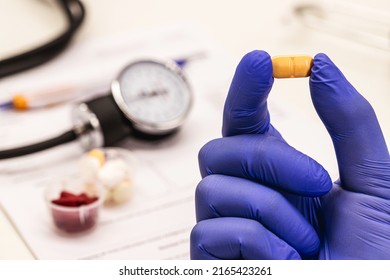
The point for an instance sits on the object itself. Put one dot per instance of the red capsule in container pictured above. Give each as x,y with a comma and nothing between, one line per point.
73,212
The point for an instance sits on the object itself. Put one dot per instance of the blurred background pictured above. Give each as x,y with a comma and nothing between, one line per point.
354,33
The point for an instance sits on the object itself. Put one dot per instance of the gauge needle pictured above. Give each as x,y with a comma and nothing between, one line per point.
149,94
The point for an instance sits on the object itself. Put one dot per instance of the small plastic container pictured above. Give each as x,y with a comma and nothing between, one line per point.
74,219
114,169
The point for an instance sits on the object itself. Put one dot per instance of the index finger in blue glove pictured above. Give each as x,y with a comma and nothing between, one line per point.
362,154
266,159
245,110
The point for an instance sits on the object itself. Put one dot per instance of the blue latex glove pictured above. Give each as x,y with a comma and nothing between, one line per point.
262,199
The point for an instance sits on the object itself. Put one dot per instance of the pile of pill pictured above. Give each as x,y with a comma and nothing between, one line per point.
113,174
69,199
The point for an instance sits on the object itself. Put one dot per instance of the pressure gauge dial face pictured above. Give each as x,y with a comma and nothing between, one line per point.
153,95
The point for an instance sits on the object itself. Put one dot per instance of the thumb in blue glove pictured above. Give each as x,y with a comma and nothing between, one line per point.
357,210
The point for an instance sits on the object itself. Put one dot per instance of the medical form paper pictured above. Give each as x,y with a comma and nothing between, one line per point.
157,222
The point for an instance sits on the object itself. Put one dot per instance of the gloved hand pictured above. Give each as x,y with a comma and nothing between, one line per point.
262,199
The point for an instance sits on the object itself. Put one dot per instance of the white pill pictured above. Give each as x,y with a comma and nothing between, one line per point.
108,195
112,174
122,192
119,164
89,167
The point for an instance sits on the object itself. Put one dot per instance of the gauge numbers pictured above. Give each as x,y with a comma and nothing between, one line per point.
154,95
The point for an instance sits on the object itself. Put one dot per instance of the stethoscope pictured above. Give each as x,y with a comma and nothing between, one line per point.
150,98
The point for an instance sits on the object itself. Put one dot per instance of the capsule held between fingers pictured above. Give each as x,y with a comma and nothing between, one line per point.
292,66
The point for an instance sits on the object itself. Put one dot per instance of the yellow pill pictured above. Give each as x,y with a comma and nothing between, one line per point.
97,154
292,66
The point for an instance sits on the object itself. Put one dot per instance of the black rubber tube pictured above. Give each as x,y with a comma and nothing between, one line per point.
49,50
66,137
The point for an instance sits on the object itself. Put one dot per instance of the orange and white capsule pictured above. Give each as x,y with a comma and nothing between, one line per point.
298,66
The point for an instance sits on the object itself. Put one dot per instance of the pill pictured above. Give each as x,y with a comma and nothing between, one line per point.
291,66
122,192
112,173
98,154
89,167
